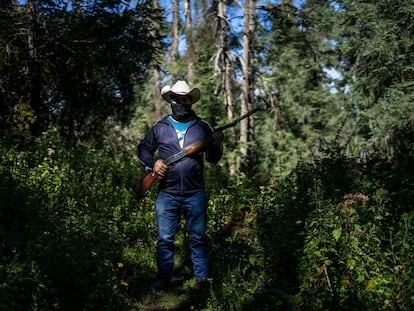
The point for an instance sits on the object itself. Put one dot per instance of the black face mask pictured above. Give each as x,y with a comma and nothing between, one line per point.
181,113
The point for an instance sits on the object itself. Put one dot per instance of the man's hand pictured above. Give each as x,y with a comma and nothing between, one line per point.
160,168
218,138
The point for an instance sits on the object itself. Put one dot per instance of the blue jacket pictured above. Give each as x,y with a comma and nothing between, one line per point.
185,176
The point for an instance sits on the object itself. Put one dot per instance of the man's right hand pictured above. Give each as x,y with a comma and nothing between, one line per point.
160,168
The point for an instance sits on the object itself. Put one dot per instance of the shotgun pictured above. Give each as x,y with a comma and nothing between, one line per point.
142,185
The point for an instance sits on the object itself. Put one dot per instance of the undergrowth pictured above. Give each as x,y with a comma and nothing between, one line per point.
332,235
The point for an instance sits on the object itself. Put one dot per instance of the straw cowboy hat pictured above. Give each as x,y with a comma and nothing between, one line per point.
180,88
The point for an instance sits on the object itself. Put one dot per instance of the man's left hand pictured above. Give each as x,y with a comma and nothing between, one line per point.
218,138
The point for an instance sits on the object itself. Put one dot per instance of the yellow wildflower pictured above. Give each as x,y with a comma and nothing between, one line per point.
370,286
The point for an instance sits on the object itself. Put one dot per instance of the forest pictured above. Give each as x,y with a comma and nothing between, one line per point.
311,205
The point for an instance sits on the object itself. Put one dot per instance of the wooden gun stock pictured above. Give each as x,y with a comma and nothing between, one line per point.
142,185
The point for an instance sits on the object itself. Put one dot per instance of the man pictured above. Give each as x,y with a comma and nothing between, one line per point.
181,188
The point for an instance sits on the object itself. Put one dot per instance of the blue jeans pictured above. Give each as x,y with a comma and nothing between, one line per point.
168,209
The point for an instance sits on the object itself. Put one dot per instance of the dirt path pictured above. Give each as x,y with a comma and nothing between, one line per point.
181,295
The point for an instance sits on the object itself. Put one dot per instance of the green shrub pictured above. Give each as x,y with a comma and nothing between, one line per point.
350,256
67,217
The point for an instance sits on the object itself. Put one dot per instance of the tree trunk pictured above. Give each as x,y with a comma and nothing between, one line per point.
35,71
156,94
225,68
249,18
174,35
226,62
156,77
190,45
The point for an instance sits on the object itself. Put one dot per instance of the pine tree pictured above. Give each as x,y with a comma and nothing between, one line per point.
305,112
375,40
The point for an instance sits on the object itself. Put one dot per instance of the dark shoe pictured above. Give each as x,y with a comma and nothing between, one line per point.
160,284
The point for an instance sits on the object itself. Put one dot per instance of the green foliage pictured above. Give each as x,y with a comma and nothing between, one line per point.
349,254
374,45
239,264
74,66
392,124
376,41
305,109
330,234
67,218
